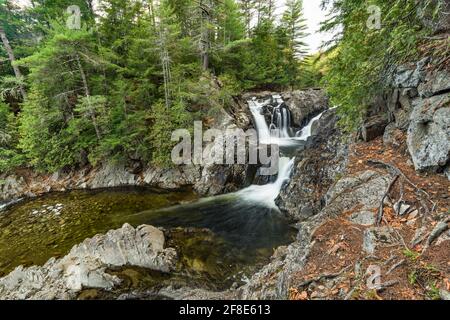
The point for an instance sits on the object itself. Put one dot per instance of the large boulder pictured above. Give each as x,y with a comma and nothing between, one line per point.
305,104
10,187
110,175
85,266
429,133
171,178
410,76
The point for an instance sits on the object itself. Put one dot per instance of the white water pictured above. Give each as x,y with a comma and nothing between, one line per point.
256,109
267,194
305,133
277,131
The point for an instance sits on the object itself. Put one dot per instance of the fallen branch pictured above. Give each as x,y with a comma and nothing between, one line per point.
396,171
386,285
439,229
322,277
395,266
381,208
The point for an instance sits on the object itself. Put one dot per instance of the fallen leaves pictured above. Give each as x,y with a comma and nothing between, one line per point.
295,294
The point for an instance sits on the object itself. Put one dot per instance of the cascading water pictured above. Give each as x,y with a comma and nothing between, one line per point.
268,193
305,133
263,130
275,133
249,217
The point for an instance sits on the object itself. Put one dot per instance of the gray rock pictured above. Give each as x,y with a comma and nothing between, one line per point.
378,237
413,214
305,104
366,188
171,178
374,127
447,172
392,136
401,208
444,294
436,83
85,266
438,21
110,175
429,133
365,218
11,187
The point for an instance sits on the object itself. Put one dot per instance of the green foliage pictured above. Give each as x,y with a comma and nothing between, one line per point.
412,255
57,99
357,71
116,89
9,154
164,122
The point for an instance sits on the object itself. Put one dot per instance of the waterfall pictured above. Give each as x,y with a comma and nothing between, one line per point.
277,132
268,193
305,133
261,126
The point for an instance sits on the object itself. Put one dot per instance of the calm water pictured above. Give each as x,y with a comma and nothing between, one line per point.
225,234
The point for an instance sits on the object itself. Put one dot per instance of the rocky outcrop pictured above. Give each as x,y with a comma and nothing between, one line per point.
429,133
305,104
85,266
374,127
437,20
315,170
27,183
419,104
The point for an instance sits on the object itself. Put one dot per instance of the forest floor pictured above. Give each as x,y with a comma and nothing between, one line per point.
416,267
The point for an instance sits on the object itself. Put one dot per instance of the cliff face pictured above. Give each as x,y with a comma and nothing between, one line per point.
419,103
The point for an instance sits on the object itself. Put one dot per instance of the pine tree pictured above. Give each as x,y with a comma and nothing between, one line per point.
247,8
294,26
12,26
64,76
291,34
230,26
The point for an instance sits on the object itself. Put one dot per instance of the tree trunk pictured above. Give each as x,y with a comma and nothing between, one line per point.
205,44
152,12
88,97
12,58
165,62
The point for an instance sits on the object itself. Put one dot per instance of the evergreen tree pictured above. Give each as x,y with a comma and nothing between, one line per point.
292,33
247,8
63,89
